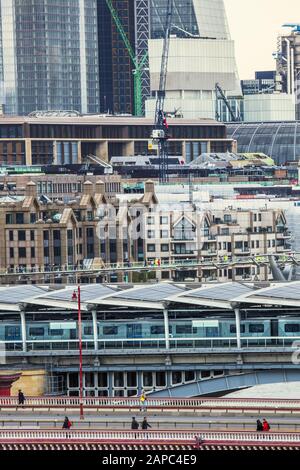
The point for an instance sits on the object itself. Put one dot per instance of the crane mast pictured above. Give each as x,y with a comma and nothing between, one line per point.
138,65
160,130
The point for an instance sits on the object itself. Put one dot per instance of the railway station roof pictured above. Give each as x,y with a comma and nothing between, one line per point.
285,294
155,296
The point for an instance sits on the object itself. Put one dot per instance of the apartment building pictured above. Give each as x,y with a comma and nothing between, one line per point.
39,234
225,241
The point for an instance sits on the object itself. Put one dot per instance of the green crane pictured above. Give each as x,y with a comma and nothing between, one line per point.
138,66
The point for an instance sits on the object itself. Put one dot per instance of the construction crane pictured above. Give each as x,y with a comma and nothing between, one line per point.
221,95
138,65
160,132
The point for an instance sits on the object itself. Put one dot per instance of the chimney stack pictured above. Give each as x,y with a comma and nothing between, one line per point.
88,188
30,189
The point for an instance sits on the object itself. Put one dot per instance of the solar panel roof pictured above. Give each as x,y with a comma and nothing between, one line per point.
286,291
17,294
151,293
220,292
87,292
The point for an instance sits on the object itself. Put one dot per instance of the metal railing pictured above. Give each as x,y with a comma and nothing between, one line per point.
148,436
125,344
162,403
137,266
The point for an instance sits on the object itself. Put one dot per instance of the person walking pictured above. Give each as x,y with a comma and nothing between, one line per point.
67,425
266,426
134,425
145,424
143,399
21,398
259,425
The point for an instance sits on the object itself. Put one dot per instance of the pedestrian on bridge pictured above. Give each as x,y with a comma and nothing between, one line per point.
67,423
134,425
259,425
21,398
145,424
143,399
266,426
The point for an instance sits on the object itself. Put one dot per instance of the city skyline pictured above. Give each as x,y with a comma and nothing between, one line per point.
264,44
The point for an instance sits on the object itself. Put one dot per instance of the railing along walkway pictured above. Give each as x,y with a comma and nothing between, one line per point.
162,403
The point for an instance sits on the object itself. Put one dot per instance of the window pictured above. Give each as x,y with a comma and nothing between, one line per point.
110,330
151,234
157,330
151,247
292,328
227,218
21,235
56,234
150,220
183,329
32,235
32,218
164,220
11,253
32,252
233,328
11,236
20,218
9,218
239,245
22,252
56,332
256,328
36,331
164,247
88,330
164,233
12,332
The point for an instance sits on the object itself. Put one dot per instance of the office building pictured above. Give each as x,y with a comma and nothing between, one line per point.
115,64
49,56
201,29
69,140
288,64
201,54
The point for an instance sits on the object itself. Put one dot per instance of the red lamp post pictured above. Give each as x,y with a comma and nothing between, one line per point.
74,297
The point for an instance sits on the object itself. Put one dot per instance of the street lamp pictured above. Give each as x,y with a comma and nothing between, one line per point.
74,297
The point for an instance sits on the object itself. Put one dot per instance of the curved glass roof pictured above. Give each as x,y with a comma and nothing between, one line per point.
278,140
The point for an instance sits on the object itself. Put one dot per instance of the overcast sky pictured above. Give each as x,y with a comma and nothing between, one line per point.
254,25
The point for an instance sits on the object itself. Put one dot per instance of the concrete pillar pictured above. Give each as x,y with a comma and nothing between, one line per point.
166,322
238,326
110,383
95,332
79,152
139,381
101,150
23,330
128,148
28,154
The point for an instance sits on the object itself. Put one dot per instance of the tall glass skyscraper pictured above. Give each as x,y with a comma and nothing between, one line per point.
49,55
